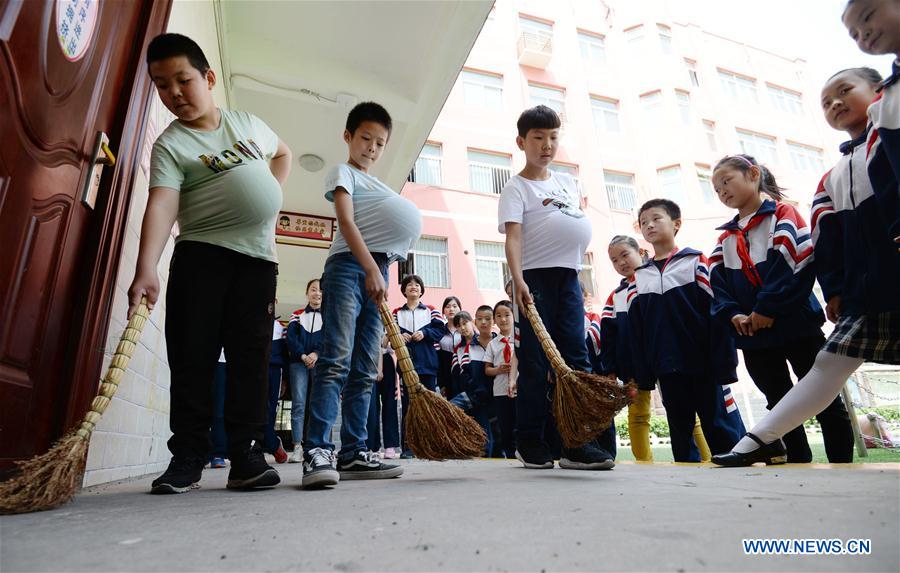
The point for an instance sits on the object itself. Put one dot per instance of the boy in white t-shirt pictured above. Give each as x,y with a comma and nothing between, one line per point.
546,237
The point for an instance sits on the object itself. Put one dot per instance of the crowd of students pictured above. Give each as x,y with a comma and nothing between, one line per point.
676,319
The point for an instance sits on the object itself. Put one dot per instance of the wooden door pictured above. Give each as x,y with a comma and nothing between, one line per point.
68,70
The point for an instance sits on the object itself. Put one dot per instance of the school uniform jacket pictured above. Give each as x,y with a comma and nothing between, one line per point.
883,150
774,277
671,327
615,349
429,321
304,333
470,371
446,353
856,257
592,338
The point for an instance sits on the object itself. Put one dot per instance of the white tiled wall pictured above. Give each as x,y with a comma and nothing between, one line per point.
130,439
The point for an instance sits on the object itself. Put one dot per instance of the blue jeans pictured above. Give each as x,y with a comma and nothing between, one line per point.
300,378
383,409
557,296
347,365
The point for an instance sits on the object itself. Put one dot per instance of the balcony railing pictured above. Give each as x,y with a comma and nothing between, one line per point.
426,171
621,197
535,48
487,178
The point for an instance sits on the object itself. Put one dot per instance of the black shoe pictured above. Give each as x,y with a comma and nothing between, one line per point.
407,455
249,470
590,456
367,465
183,474
319,469
534,454
771,454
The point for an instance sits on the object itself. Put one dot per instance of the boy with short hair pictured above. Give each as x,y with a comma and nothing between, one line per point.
475,387
546,237
219,173
675,340
376,227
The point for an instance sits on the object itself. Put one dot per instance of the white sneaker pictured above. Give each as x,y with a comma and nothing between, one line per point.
296,455
391,454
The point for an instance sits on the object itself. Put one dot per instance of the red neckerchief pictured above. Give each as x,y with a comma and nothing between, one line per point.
743,250
507,351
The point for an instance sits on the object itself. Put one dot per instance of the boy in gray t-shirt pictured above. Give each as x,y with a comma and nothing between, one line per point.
376,226
219,172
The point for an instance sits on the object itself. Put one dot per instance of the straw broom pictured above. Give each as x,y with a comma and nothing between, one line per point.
435,428
584,404
51,479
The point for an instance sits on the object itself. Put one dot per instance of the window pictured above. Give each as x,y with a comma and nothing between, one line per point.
488,172
710,128
684,106
762,147
634,35
586,274
786,100
537,35
593,48
738,87
427,169
553,98
482,90
428,259
691,66
491,270
570,170
671,185
806,158
620,190
665,38
704,177
652,104
606,115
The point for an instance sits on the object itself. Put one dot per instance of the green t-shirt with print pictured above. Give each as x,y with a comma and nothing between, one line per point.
228,195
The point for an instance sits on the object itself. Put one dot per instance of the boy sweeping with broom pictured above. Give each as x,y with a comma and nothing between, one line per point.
546,237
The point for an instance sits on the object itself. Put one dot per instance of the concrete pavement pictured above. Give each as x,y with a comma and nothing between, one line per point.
482,515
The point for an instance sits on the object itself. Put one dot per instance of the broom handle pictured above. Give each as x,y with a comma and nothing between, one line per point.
553,355
404,362
127,344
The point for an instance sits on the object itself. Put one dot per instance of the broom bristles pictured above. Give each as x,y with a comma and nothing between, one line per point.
584,404
438,430
46,481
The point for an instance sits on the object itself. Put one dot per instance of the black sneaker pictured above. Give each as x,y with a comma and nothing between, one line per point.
590,456
407,455
183,474
367,465
534,454
250,470
319,469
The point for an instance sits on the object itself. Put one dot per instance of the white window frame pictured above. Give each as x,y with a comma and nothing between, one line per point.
786,101
621,192
665,38
709,127
428,163
763,147
671,184
693,75
592,48
586,274
652,107
739,87
489,86
608,111
488,172
501,270
806,157
704,180
418,254
635,34
683,99
554,98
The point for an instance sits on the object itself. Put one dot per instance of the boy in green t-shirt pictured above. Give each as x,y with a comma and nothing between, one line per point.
219,173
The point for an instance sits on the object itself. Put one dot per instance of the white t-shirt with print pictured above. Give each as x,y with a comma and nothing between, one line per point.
555,231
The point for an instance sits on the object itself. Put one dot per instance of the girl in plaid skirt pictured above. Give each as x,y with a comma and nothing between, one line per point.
855,217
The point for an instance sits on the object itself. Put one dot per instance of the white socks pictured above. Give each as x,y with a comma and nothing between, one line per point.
812,394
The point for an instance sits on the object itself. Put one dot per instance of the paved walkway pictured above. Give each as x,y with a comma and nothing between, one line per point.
484,515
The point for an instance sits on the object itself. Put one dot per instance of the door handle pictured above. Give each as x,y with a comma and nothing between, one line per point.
102,156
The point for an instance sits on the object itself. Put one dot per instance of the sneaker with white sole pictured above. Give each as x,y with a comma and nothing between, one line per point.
391,453
296,455
367,465
319,469
182,475
590,456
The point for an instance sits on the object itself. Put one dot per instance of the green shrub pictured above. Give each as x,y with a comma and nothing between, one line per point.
889,413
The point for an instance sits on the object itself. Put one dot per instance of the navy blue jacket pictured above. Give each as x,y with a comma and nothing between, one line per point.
615,346
278,352
432,325
781,251
671,327
304,333
852,218
883,150
470,372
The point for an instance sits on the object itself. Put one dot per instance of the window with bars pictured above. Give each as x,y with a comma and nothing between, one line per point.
671,184
482,90
427,258
785,100
488,172
606,115
592,48
762,147
427,169
620,190
710,128
739,87
693,75
665,38
806,158
684,106
553,98
491,270
704,178
586,274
